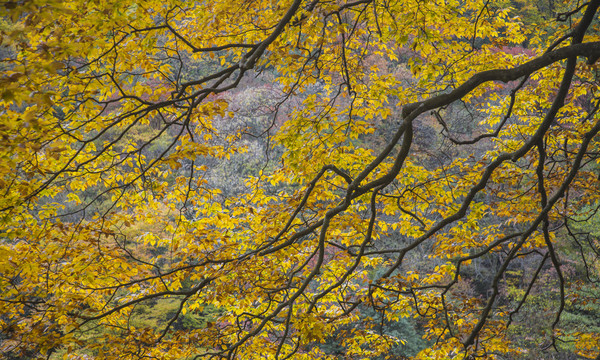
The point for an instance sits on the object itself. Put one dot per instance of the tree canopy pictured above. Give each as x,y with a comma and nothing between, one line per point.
299,179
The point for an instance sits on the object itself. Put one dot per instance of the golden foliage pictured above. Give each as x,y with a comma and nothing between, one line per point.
114,119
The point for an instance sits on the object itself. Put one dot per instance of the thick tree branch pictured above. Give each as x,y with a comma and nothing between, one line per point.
589,50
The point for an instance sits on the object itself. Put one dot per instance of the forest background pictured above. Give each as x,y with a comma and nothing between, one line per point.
318,179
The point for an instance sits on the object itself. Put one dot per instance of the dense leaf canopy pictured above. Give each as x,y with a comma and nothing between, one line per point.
302,179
